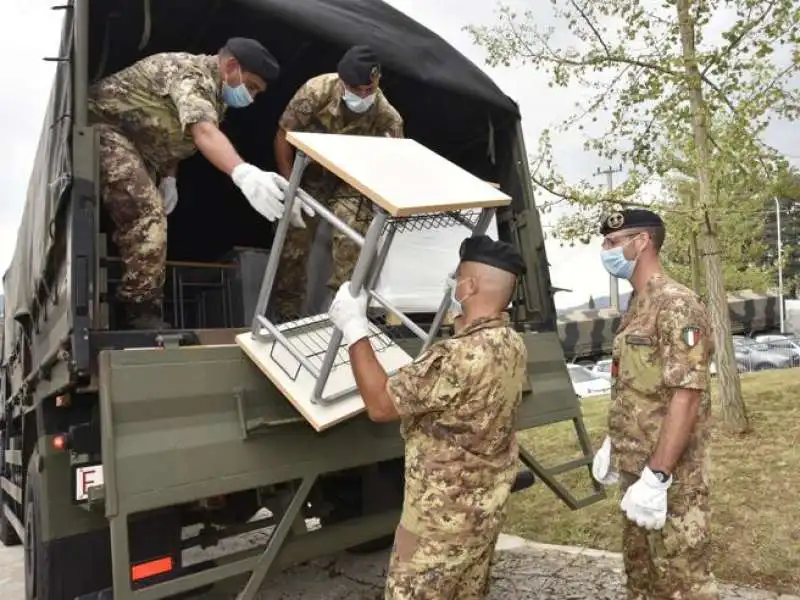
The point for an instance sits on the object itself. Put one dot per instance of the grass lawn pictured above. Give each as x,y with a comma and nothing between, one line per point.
754,489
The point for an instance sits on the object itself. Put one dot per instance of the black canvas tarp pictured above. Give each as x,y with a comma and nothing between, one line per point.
447,102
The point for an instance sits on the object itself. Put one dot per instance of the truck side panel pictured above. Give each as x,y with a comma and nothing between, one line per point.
189,423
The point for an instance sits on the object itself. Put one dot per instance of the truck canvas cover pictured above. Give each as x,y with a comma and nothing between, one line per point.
434,86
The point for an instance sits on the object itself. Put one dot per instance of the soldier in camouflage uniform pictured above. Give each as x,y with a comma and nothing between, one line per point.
347,102
659,419
457,403
149,117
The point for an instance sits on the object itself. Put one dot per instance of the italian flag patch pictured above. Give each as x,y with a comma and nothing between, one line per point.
691,336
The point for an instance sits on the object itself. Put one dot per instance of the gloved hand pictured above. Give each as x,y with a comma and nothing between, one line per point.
645,502
169,191
299,204
349,314
261,188
601,465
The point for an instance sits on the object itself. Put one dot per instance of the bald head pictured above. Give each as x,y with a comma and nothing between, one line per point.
489,288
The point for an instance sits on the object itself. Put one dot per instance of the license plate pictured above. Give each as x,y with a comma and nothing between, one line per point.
84,478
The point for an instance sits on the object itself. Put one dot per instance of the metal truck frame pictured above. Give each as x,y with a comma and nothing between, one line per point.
113,443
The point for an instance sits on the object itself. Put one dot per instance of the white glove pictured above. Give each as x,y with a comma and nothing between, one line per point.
349,314
601,465
169,191
261,188
645,502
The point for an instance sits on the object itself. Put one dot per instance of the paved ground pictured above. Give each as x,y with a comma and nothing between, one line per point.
522,571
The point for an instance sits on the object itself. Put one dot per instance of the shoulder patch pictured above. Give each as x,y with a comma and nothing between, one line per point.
691,335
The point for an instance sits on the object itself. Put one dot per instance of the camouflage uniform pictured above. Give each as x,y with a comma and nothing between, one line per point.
458,404
318,107
143,114
664,343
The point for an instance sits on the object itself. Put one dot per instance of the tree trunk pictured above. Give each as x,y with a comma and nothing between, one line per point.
734,413
694,256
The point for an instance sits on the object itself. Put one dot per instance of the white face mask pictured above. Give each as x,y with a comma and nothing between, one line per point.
456,308
356,103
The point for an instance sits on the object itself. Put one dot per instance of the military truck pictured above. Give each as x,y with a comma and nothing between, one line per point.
122,451
587,334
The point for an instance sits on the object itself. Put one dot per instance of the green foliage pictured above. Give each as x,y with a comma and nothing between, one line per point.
626,57
740,219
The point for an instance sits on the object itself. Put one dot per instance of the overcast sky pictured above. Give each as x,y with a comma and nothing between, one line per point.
30,31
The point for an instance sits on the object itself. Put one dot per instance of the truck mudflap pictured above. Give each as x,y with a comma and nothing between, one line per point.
184,424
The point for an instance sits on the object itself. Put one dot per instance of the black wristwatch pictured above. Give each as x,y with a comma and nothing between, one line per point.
662,477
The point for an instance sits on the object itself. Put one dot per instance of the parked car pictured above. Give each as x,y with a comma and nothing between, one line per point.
602,368
754,356
586,383
784,344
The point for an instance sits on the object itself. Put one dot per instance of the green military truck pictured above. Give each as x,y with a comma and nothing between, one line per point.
121,451
587,334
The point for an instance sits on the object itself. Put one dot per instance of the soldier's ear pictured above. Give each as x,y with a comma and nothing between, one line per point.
469,287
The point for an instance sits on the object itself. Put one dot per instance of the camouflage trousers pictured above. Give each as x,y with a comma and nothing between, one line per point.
673,563
422,568
136,208
290,283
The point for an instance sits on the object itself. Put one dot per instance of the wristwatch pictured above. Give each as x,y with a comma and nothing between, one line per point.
662,477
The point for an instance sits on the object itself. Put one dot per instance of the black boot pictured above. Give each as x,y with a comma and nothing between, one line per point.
145,316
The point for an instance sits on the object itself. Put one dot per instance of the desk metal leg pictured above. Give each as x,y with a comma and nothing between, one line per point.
360,273
300,163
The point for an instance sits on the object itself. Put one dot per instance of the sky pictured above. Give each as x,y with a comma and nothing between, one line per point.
23,105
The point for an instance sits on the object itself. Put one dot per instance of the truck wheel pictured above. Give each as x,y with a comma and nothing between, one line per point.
35,585
66,568
371,489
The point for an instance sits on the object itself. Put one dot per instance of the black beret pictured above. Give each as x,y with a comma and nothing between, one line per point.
499,254
254,58
359,66
631,218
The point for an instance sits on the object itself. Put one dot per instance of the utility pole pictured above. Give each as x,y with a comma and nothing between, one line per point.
613,282
780,259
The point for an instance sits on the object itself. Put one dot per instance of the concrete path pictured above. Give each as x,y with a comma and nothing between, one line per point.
522,570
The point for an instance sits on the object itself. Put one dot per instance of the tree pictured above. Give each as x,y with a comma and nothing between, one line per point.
591,303
676,104
787,192
742,238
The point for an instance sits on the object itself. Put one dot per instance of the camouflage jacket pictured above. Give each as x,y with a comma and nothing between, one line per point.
154,101
663,343
317,107
458,404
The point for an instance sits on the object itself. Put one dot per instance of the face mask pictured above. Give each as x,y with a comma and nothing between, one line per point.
356,103
455,305
616,264
236,97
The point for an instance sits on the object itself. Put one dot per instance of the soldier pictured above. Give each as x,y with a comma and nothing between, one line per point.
347,102
457,403
152,115
658,424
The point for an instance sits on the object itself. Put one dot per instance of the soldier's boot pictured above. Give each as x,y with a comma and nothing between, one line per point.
145,316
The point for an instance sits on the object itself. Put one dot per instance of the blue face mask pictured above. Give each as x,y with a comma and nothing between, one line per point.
236,97
616,264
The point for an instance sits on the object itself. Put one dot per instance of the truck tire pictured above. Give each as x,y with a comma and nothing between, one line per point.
350,492
35,584
66,568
